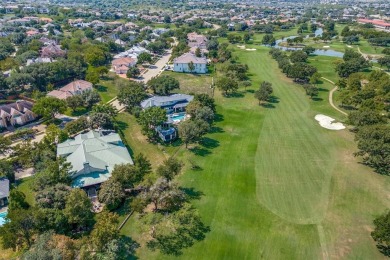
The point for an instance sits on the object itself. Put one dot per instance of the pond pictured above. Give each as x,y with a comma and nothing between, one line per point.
320,52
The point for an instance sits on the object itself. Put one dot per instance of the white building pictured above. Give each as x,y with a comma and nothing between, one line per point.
183,64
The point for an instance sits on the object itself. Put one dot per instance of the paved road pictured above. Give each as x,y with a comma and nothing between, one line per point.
331,97
153,71
157,68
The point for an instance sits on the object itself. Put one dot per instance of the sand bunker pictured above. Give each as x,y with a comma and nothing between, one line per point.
349,46
241,46
327,122
250,49
326,46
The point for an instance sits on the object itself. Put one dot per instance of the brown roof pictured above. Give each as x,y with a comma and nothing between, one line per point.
52,50
20,105
123,61
77,85
70,89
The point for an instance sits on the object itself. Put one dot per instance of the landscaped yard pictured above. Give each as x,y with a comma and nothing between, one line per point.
107,87
275,184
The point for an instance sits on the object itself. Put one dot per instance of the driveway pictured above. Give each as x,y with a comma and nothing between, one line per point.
157,68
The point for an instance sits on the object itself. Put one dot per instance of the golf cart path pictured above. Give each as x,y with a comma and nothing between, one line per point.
331,96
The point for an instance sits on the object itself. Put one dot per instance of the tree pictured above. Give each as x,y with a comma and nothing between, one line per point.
74,102
373,138
313,27
298,56
212,45
5,143
308,49
105,230
205,100
163,85
150,118
128,175
90,98
315,78
264,92
92,75
78,209
55,135
55,171
198,53
111,194
133,72
7,170
49,107
226,85
384,61
143,164
144,57
185,228
131,95
311,90
246,38
19,230
381,233
43,248
170,168
53,197
17,200
165,195
167,19
106,109
191,66
268,39
77,125
95,55
101,120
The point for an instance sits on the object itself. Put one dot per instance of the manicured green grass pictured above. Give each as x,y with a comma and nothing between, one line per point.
192,83
107,87
24,185
275,184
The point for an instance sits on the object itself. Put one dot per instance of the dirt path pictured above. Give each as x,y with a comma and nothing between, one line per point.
331,96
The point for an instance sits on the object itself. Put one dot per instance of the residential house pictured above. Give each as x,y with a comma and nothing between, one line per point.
92,157
4,191
122,65
172,104
378,24
76,87
52,51
197,40
18,113
39,60
185,61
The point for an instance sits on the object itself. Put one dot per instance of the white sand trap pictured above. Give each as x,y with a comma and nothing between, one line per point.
250,49
349,46
326,46
241,46
327,122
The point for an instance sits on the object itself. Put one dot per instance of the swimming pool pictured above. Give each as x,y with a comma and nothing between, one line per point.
2,218
177,117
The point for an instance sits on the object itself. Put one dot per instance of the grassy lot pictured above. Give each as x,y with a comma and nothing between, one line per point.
274,183
192,83
24,186
107,87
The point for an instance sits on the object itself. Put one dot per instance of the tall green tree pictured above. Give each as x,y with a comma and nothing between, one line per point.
78,209
49,107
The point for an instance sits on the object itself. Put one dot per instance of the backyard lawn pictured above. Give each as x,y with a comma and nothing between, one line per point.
274,184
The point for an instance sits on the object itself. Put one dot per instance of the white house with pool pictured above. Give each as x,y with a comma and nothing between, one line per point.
175,106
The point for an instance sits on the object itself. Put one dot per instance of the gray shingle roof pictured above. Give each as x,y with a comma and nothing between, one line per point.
4,188
159,101
188,57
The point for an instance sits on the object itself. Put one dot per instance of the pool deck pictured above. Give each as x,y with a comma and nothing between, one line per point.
3,209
